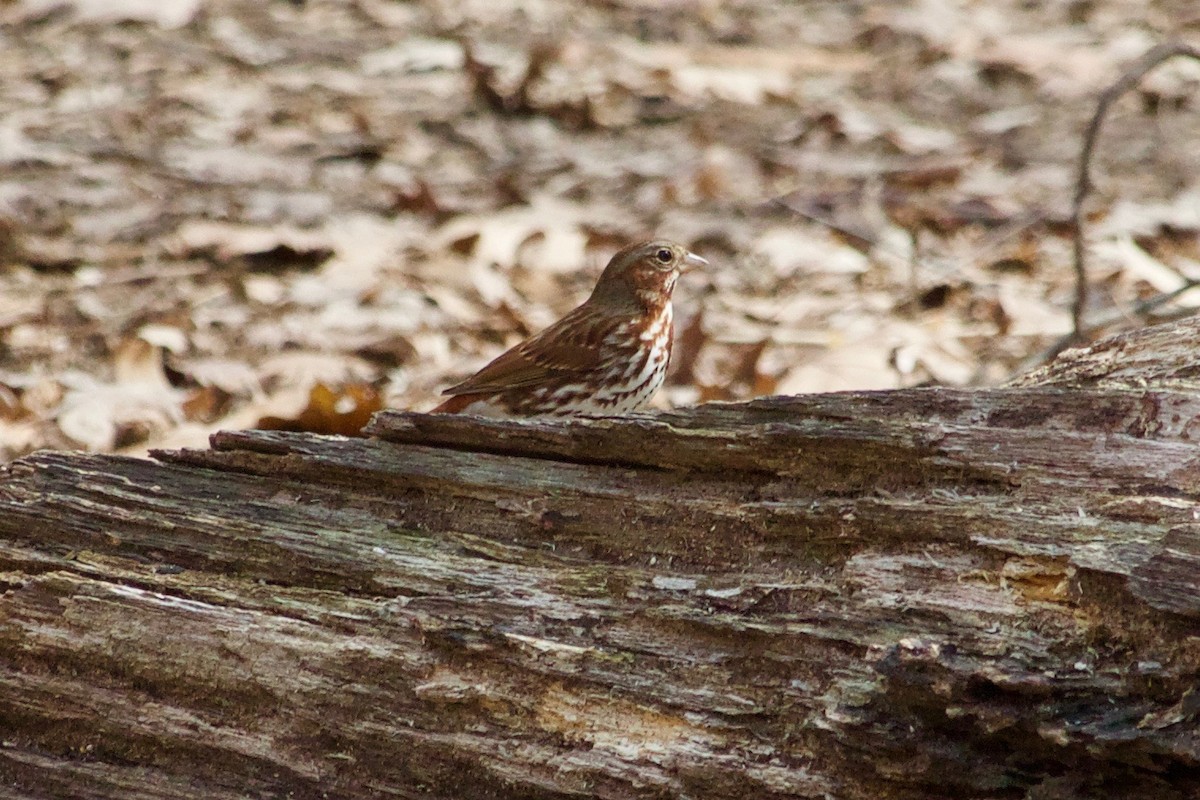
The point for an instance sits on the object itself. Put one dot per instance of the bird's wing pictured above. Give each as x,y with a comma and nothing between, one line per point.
573,345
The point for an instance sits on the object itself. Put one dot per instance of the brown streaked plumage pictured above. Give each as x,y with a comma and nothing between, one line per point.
607,356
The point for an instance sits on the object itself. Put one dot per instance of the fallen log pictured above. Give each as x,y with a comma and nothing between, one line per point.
928,593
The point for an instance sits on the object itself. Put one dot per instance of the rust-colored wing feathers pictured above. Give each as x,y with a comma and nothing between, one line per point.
571,345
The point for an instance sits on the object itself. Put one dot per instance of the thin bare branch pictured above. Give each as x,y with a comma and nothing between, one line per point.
1083,181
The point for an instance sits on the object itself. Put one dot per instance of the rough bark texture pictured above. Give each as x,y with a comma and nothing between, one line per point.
930,593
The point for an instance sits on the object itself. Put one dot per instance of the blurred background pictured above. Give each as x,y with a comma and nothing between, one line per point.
238,213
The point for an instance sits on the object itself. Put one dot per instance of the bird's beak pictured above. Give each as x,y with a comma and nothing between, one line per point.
691,263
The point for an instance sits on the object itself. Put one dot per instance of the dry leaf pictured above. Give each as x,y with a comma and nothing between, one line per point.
342,410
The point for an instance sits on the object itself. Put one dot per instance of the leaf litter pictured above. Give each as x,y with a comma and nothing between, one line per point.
289,215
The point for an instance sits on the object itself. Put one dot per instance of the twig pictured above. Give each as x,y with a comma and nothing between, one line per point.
861,236
1083,181
991,243
1140,309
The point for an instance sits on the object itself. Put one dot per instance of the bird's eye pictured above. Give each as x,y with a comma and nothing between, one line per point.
664,256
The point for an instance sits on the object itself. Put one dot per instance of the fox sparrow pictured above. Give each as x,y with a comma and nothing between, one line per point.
608,356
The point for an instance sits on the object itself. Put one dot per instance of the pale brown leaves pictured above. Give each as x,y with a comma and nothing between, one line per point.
300,210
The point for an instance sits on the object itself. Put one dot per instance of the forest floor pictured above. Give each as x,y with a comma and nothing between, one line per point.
239,213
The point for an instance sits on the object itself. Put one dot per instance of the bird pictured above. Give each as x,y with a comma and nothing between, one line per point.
606,357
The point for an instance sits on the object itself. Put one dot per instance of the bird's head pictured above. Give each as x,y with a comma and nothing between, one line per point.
642,276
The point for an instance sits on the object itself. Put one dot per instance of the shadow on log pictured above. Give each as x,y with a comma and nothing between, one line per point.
929,593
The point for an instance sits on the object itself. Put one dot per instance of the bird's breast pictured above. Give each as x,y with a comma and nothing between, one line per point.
658,326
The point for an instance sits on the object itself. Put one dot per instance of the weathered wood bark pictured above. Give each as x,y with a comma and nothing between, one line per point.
916,594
